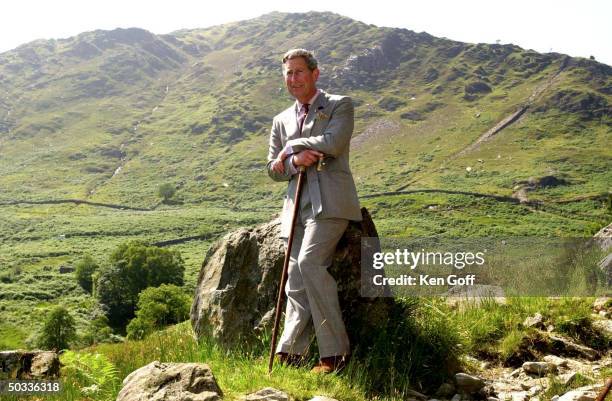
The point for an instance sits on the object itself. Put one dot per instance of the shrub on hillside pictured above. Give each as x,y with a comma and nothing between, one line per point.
158,307
98,331
166,192
58,331
133,267
85,268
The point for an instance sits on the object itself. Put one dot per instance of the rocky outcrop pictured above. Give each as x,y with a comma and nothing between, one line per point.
171,382
603,239
238,285
29,365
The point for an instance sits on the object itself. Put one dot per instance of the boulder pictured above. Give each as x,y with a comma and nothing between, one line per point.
539,368
536,320
578,395
604,326
566,378
468,384
602,304
603,237
566,347
266,394
238,285
171,382
24,365
555,360
45,364
605,265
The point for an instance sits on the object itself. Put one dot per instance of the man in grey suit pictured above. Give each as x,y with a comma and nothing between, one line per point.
316,128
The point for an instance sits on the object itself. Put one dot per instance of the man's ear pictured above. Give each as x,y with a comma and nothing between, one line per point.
315,72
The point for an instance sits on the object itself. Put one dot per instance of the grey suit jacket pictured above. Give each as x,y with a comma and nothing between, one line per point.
328,128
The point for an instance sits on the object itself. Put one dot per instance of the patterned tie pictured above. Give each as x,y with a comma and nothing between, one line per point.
303,116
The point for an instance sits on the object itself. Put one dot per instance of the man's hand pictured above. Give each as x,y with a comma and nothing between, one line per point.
278,166
306,158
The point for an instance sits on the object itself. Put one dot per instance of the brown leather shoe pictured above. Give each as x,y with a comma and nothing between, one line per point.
331,364
292,360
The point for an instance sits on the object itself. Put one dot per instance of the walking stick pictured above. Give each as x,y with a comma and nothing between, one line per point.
281,290
605,390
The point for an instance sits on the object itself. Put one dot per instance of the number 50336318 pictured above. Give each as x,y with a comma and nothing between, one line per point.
29,386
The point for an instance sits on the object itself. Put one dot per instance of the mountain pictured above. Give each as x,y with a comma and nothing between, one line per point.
194,108
451,139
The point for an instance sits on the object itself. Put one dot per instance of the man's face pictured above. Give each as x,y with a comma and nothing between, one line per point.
300,81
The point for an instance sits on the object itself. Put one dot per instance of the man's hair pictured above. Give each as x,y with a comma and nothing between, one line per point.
311,61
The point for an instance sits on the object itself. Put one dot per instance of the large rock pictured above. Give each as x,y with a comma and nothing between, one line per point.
539,368
603,239
171,382
578,395
536,320
29,364
565,346
468,384
238,285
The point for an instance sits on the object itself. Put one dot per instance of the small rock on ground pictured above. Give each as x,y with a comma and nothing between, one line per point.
266,394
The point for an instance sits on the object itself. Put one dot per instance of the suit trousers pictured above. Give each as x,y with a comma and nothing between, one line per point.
312,293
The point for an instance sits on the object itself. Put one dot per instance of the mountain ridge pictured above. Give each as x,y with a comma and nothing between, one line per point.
202,83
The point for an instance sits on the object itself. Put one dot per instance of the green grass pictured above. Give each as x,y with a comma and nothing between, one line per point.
558,388
495,330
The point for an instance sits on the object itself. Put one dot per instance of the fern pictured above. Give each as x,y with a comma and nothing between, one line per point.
101,376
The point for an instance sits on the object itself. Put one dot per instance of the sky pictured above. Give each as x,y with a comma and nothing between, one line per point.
575,27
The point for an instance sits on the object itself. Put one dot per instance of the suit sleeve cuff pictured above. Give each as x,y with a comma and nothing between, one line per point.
288,150
289,167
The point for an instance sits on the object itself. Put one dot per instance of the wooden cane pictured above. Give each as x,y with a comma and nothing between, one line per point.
281,290
605,390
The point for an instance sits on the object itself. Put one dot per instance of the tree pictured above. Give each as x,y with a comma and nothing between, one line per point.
158,307
98,331
58,331
135,266
166,191
85,268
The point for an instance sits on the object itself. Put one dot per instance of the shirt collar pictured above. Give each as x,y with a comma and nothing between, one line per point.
310,102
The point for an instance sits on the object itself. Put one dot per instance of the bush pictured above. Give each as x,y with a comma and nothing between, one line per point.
59,330
138,329
134,267
166,191
158,307
98,331
85,268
